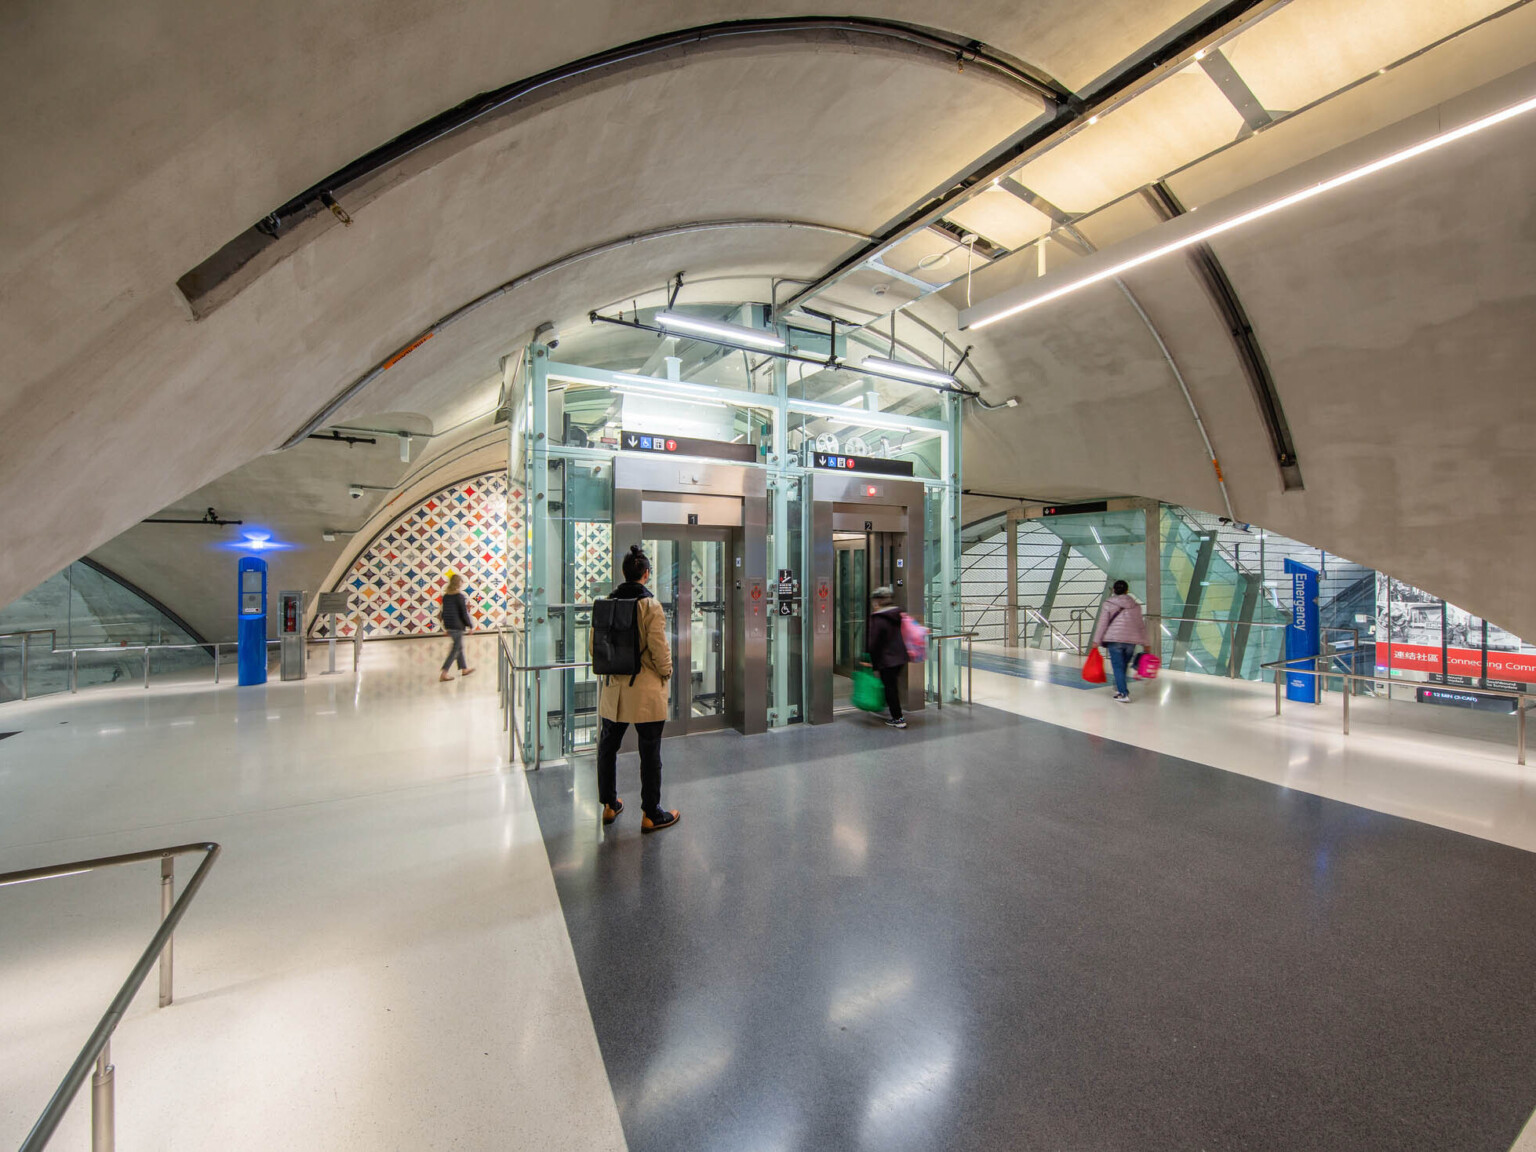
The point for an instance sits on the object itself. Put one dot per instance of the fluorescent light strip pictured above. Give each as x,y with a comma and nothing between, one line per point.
721,331
859,419
657,383
637,390
1265,210
905,371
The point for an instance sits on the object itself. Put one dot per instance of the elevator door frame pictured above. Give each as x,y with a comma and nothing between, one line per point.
692,486
680,623
895,508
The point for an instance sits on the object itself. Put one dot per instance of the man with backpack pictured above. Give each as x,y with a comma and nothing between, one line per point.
631,654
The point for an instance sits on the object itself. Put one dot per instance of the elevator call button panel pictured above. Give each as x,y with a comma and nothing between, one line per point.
757,608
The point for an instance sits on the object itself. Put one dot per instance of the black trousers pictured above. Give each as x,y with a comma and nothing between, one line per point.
891,678
610,735
457,651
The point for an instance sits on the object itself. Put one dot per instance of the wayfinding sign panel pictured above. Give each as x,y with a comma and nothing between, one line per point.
837,463
662,444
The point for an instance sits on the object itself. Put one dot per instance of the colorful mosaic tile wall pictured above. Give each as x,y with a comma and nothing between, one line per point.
594,560
473,528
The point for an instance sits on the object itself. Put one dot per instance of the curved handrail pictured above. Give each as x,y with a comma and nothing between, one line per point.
96,1047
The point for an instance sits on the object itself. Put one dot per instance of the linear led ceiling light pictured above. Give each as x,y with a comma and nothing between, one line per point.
720,331
903,371
980,316
848,416
657,384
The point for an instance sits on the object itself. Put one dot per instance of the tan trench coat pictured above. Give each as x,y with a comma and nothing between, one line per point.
646,699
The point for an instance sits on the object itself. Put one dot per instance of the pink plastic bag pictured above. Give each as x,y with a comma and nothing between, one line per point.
1147,665
915,637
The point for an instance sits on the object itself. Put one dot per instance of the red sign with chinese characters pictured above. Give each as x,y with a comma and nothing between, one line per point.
1519,666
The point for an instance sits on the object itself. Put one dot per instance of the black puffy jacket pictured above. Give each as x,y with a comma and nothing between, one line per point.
456,613
882,638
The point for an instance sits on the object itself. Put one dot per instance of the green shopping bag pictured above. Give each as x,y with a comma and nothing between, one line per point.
868,692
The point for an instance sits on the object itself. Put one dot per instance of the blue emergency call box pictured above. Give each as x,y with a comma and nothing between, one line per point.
1303,636
251,605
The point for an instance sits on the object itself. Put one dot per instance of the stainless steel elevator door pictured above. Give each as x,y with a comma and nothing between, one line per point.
691,568
850,591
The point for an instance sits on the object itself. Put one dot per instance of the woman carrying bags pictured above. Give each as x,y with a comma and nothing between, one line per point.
887,649
1120,630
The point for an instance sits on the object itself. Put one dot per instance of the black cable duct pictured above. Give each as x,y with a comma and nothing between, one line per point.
1223,296
201,285
320,418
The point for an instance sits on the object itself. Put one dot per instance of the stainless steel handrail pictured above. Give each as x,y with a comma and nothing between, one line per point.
1318,669
970,675
1078,618
215,647
1232,668
1219,620
1055,632
506,671
98,1050
25,633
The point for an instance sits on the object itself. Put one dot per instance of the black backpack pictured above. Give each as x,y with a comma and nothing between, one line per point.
616,638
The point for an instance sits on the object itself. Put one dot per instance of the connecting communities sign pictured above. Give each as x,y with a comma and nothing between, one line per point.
1303,635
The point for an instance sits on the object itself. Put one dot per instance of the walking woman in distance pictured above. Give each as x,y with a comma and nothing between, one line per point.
456,622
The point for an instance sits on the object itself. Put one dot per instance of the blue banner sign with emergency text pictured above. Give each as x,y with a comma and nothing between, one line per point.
1303,635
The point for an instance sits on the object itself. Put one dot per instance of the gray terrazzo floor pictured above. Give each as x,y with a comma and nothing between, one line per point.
989,932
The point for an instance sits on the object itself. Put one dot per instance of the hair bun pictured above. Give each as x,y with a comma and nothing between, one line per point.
636,550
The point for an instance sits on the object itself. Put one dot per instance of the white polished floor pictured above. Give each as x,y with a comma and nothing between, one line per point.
1444,766
378,960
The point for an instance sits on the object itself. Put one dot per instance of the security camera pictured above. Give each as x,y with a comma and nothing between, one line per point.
547,334
355,493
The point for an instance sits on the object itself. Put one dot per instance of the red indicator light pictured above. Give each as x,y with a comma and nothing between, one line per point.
871,490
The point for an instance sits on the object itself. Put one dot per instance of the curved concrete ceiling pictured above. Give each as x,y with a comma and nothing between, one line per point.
1396,316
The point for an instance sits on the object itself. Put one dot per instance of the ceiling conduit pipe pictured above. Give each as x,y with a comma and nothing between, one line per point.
322,417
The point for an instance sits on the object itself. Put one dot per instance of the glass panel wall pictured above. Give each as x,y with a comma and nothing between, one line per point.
613,384
79,608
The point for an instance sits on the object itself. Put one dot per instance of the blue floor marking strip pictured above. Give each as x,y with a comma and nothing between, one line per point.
1031,670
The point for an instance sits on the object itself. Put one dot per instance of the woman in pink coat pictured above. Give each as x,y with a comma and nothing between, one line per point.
1120,629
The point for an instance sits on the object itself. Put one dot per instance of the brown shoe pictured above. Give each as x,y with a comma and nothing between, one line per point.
660,821
445,676
465,671
611,811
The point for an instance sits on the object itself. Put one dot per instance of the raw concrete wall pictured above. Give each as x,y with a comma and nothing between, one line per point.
1397,315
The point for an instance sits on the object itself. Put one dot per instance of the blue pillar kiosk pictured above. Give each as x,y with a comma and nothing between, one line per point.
1303,636
252,612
